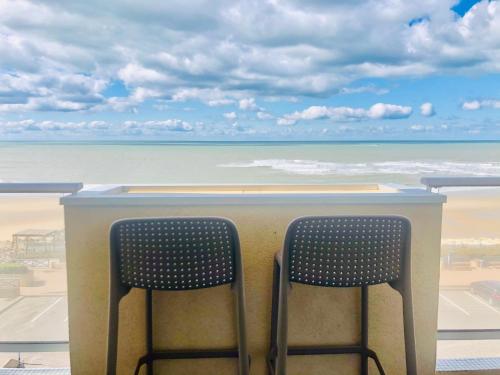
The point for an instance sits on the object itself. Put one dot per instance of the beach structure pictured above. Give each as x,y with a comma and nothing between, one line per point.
32,242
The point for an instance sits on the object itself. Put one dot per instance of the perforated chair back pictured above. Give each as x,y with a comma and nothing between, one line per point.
347,251
342,251
174,253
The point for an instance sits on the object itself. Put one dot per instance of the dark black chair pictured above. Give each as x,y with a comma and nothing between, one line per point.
174,254
340,252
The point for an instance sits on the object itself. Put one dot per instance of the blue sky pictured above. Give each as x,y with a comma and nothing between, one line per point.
250,70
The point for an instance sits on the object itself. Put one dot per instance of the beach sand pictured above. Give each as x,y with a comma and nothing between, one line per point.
23,212
470,217
472,214
469,214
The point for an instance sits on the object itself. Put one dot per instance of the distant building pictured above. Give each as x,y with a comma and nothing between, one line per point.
33,242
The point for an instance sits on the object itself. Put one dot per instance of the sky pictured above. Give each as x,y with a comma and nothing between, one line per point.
250,70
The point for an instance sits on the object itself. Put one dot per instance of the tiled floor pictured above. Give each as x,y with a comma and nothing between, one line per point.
468,364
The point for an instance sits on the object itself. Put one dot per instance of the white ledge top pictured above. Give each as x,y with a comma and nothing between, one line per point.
460,181
39,187
178,195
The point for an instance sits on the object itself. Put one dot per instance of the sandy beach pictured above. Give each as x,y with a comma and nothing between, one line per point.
471,221
20,212
467,214
472,214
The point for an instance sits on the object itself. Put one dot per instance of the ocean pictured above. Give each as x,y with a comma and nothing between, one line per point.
244,162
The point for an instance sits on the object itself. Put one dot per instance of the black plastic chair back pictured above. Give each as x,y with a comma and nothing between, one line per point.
342,251
174,253
346,251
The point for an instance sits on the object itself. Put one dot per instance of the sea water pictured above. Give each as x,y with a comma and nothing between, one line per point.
244,162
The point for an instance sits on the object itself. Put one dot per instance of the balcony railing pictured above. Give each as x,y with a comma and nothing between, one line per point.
40,188
442,182
470,250
33,302
460,330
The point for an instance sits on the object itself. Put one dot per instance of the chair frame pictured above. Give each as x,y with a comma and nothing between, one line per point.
279,349
118,291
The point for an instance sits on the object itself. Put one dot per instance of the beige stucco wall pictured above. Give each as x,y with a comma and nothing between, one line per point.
204,318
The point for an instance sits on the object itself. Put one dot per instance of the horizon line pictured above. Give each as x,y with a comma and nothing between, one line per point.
152,141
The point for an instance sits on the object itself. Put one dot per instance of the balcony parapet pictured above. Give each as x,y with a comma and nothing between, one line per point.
154,195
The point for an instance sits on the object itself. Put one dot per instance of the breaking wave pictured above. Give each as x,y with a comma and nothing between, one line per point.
321,168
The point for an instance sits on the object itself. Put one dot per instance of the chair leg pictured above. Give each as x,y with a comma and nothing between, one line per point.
116,293
149,330
364,330
271,357
374,356
282,323
409,332
114,311
140,363
243,357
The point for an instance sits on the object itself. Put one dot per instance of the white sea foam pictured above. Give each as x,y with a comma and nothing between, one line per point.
321,168
471,242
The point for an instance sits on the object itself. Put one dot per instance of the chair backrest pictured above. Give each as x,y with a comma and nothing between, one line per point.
174,253
347,251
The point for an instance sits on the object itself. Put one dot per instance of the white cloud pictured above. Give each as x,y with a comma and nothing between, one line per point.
212,97
479,104
49,91
162,125
471,106
423,128
248,104
376,111
230,51
230,115
96,126
264,115
136,74
7,127
287,120
43,104
131,102
388,111
364,89
140,94
427,109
